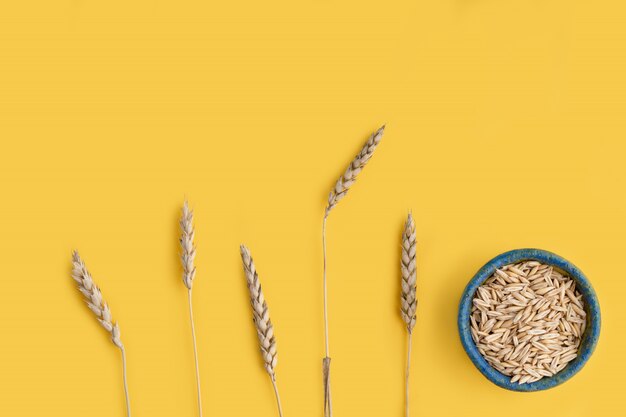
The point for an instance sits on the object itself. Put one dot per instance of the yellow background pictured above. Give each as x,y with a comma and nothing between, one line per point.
506,128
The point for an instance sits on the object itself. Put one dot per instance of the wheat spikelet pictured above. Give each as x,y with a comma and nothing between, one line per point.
94,299
188,253
187,257
409,274
344,182
408,298
99,307
261,316
340,190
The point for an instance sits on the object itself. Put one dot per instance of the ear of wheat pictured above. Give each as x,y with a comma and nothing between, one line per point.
188,250
188,255
342,186
261,316
408,299
100,308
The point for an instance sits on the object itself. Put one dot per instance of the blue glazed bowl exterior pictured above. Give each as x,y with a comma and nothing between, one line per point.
590,337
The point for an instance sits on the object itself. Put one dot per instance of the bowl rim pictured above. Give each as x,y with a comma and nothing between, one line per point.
590,336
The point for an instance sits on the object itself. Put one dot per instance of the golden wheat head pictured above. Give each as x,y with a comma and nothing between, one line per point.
261,314
409,274
94,299
188,250
344,182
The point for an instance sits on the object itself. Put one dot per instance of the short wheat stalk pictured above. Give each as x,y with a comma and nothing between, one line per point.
99,307
408,299
339,192
261,316
188,255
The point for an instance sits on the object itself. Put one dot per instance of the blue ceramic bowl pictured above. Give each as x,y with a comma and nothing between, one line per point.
590,336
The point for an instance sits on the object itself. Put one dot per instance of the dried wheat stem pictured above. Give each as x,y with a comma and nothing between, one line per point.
408,299
342,186
408,370
325,289
261,316
99,307
280,408
328,403
188,255
195,354
125,382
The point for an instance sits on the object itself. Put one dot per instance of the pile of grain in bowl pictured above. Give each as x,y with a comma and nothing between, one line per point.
528,320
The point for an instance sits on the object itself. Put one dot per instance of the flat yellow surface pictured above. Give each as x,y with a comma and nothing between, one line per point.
506,128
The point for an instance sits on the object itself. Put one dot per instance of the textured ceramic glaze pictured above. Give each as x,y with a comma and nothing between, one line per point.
590,337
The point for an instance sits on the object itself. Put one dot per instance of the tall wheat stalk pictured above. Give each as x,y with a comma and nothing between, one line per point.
100,308
342,186
408,299
188,255
261,316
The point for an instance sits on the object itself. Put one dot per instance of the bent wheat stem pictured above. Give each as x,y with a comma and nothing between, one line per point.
125,382
280,408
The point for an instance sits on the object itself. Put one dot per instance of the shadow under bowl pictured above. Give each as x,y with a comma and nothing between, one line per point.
589,339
